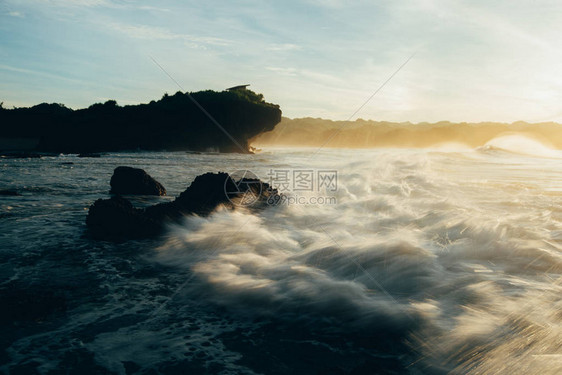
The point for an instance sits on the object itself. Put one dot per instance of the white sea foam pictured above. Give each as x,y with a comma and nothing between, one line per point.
520,144
456,253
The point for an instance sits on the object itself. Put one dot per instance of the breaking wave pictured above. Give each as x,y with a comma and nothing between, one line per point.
520,144
439,260
417,250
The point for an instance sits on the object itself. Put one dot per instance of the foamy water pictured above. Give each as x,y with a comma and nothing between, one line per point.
431,261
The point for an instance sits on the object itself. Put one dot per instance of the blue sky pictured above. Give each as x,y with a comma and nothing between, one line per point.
474,60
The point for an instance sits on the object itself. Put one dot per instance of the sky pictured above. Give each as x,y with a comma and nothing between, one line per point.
468,61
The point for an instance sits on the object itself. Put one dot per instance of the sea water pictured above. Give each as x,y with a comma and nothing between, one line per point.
422,261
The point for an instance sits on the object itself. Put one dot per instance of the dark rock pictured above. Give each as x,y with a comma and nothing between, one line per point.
117,218
9,192
128,180
205,193
67,163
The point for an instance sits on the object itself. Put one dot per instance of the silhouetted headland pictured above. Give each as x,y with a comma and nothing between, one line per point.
172,123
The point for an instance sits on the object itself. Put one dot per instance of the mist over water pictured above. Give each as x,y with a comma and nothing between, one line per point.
433,260
316,132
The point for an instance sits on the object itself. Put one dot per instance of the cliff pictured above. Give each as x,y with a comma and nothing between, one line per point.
172,123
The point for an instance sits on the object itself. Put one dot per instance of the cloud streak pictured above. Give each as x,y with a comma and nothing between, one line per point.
162,34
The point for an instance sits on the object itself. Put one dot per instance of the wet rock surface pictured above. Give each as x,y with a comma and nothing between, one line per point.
128,180
117,218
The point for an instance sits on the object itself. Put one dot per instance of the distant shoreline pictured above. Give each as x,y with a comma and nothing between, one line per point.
317,132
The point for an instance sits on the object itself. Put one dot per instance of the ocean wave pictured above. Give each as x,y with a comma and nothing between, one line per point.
432,261
431,258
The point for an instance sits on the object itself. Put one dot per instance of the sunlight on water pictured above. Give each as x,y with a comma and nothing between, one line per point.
523,145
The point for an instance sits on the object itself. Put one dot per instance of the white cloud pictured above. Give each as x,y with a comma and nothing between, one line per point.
333,4
64,3
284,47
56,77
152,8
283,71
160,33
78,3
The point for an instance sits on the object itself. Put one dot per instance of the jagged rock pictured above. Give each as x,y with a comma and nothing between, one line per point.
128,180
118,218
